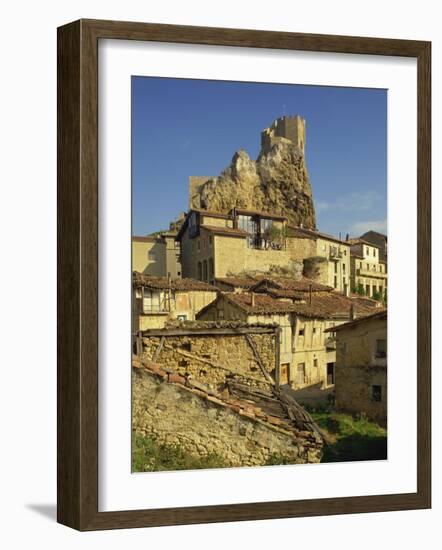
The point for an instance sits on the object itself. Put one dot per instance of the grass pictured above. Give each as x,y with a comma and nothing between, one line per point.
150,456
351,439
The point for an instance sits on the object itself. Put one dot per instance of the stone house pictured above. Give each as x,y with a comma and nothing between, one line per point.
377,239
361,366
368,271
157,300
307,354
157,256
333,268
216,245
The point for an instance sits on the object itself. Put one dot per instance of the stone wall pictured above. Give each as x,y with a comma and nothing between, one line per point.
173,415
213,359
354,390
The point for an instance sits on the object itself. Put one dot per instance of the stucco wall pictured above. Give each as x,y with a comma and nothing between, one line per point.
140,258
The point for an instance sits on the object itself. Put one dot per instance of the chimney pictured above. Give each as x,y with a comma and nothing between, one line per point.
252,299
352,312
347,237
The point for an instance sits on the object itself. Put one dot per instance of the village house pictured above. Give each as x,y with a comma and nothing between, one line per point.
361,366
156,300
335,270
378,239
215,245
368,271
157,256
303,311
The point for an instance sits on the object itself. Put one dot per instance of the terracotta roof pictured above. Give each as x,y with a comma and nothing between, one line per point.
163,283
272,216
211,213
268,305
228,231
302,231
290,284
270,407
379,315
324,305
358,240
239,282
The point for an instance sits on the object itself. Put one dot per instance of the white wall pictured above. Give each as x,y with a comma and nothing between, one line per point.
28,119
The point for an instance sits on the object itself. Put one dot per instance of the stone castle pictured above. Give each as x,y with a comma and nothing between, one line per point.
276,182
286,128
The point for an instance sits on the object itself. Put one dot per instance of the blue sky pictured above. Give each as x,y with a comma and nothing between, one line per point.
183,128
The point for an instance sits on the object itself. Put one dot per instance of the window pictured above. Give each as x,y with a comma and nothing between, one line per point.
182,318
199,245
210,240
151,255
368,251
205,270
335,284
336,267
199,271
210,268
343,268
376,393
315,330
315,362
220,314
381,348
301,331
344,347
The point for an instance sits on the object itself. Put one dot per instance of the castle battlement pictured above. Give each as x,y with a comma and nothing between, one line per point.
290,128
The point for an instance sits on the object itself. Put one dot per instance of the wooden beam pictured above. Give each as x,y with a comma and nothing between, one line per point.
258,360
208,331
158,350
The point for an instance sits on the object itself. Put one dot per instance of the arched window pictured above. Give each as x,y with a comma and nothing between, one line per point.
199,271
205,270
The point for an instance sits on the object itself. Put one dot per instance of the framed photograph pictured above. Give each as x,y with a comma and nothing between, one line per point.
243,245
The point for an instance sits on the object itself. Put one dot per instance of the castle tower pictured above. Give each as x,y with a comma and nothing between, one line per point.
290,128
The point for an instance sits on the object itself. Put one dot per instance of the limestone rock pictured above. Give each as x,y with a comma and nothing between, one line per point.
277,182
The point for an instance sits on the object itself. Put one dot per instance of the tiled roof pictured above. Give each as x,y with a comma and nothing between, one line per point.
287,283
228,231
163,283
358,240
266,406
238,282
379,315
302,231
269,215
268,305
324,305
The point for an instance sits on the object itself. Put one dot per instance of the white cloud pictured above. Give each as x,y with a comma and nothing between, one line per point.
351,202
359,228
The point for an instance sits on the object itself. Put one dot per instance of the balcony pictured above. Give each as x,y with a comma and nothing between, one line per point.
370,273
335,254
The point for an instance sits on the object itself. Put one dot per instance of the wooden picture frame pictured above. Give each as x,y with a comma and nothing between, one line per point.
78,274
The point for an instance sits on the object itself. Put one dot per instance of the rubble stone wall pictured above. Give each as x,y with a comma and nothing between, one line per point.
173,415
213,359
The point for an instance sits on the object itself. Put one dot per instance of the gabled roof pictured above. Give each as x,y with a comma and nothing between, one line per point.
259,213
290,284
163,283
226,231
323,305
379,315
236,282
314,233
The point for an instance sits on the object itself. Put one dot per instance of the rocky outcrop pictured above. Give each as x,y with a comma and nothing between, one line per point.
277,182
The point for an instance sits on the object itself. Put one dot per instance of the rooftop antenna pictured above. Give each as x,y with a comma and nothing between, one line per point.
283,109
